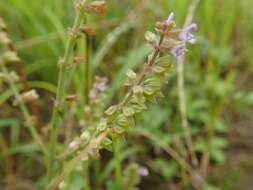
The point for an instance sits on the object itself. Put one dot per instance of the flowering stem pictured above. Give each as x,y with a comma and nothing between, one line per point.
63,81
97,140
71,164
181,92
144,71
25,111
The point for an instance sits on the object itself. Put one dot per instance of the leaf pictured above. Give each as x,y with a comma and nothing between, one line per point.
102,125
128,111
118,130
106,141
164,62
159,69
111,110
122,120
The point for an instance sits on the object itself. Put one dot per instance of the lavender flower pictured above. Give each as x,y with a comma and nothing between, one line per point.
186,34
178,50
170,18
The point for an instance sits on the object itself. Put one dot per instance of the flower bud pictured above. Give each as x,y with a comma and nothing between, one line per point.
150,37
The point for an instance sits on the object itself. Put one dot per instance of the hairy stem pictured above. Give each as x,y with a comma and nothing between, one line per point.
65,65
181,92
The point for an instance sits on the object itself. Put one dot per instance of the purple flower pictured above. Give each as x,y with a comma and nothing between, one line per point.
178,50
186,34
170,18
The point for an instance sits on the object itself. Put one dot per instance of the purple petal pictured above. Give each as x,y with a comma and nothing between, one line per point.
191,28
186,34
178,50
171,17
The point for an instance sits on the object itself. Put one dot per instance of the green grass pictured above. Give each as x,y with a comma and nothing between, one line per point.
213,69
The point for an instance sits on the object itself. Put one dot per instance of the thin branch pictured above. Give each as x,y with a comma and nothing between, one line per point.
181,90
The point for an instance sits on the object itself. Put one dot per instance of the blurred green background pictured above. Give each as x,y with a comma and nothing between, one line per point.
218,85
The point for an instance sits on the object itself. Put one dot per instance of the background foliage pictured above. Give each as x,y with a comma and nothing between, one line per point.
218,86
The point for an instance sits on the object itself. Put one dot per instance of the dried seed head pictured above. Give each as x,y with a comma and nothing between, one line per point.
72,33
100,83
2,24
79,60
62,185
71,98
29,96
85,135
11,57
97,6
74,144
131,74
150,37
88,30
4,39
13,76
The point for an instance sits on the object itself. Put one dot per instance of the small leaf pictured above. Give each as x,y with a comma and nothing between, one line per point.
148,90
122,121
158,69
152,82
118,130
128,111
164,62
111,110
131,74
106,141
102,125
139,107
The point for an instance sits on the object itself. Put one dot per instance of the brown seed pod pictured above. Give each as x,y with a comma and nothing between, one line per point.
79,60
88,30
71,98
97,7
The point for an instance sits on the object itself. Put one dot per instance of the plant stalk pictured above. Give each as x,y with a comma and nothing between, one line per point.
65,65
25,112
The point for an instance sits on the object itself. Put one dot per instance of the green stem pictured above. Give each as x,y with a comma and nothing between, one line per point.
24,111
86,175
63,83
117,162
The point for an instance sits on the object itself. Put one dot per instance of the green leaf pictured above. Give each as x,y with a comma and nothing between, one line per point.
106,141
159,69
102,125
128,111
111,110
122,120
118,130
